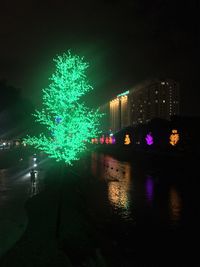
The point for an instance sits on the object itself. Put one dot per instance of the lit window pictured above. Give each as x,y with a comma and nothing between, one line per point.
163,83
156,101
163,101
156,92
140,110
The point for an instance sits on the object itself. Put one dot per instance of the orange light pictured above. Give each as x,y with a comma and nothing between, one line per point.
127,140
174,137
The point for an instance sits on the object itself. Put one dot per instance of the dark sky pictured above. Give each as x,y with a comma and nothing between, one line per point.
125,42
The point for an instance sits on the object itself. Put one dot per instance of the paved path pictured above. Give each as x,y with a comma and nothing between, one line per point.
15,189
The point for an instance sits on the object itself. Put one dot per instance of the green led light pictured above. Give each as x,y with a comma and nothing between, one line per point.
71,124
124,93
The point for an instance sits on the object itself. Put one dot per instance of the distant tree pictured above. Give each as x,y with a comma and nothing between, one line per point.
14,112
69,123
9,95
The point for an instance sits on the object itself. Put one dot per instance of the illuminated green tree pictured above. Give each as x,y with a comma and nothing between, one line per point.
70,124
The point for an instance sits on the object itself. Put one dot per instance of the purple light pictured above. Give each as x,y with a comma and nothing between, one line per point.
113,140
149,139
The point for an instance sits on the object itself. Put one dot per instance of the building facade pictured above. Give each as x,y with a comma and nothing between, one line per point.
119,112
154,99
148,100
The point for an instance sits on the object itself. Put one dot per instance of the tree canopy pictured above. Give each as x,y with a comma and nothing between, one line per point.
70,124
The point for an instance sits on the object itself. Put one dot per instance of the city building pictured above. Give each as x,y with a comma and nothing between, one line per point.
140,104
119,112
154,99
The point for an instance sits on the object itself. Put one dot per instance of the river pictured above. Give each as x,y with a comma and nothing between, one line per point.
148,214
144,214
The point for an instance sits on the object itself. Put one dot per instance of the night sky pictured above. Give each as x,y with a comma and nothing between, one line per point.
125,42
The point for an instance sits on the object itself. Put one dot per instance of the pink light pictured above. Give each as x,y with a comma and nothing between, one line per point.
107,140
102,139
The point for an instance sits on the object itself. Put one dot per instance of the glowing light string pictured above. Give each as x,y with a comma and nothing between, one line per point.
70,124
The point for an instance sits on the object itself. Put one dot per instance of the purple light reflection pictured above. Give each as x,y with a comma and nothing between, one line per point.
149,188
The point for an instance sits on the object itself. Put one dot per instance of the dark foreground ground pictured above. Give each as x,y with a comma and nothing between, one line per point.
52,238
65,229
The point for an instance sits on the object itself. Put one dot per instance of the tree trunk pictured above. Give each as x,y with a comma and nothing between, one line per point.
60,201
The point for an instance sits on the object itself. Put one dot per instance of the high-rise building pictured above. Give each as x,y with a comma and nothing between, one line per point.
148,100
154,99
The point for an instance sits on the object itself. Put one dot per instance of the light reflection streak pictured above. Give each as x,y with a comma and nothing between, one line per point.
119,186
4,186
117,175
149,189
175,205
94,164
